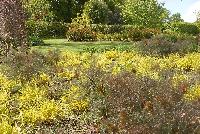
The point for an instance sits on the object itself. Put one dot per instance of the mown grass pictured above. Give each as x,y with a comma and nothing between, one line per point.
64,45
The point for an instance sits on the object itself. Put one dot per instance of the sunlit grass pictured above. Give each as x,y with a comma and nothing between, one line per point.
64,45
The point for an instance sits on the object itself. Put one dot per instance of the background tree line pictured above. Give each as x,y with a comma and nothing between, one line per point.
148,13
48,18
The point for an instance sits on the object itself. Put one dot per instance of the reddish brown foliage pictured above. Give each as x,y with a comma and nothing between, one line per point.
12,24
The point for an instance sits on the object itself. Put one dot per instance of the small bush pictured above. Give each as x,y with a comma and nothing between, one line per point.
23,66
35,41
165,44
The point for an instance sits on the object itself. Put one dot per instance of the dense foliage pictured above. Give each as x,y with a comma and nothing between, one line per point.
176,18
104,92
136,13
184,28
44,29
80,30
66,10
103,11
146,13
12,26
38,10
97,11
151,86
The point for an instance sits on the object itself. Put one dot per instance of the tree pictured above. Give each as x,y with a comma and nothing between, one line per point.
176,18
104,11
198,16
12,25
66,10
114,14
38,10
53,10
97,11
145,13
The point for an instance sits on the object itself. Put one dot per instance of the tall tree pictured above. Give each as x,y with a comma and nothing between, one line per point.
198,16
97,11
53,10
176,18
12,24
146,13
38,10
66,10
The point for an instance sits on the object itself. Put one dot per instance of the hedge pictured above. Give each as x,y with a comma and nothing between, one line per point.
43,29
184,28
99,32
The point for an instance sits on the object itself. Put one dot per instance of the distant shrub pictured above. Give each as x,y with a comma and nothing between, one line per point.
107,29
35,41
137,34
123,32
80,30
184,28
44,29
112,37
165,44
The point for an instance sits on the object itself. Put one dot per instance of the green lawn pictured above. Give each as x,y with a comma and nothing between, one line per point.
64,45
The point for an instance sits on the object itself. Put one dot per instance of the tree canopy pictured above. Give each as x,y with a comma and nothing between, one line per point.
148,13
176,18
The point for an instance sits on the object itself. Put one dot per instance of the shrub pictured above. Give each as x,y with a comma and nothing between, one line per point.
23,66
80,30
123,32
108,92
135,35
112,37
144,105
42,29
184,28
165,44
107,29
35,41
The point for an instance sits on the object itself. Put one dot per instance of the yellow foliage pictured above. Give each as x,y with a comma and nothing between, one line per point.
67,74
6,128
74,100
35,105
193,93
32,96
48,110
179,78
